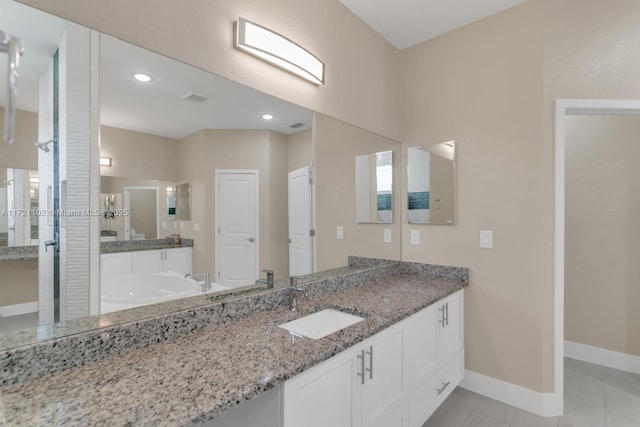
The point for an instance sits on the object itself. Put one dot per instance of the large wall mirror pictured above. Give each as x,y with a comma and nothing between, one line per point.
431,189
166,138
374,188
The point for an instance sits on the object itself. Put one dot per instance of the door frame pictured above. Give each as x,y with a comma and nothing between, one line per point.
564,107
216,188
127,218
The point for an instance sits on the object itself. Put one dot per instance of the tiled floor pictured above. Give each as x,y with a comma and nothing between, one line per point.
595,396
12,324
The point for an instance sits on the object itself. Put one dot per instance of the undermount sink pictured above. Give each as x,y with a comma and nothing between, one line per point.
321,323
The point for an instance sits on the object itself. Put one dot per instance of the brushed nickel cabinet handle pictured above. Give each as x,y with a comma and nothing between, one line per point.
444,386
370,353
361,357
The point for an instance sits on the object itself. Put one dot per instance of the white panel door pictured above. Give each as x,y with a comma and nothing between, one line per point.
237,208
300,240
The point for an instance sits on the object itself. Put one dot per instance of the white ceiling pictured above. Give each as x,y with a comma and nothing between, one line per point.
405,23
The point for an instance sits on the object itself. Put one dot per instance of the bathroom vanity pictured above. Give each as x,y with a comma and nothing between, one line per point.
220,362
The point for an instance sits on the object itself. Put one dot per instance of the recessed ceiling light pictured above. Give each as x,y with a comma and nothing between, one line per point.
141,77
267,116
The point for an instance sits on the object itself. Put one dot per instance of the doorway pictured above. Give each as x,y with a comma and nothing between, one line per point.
300,226
565,107
237,227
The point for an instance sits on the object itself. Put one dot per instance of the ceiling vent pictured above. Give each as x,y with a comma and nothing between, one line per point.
194,97
296,125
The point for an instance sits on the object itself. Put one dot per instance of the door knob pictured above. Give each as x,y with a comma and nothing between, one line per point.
251,239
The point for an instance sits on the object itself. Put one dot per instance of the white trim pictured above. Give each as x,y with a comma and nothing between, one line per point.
564,107
18,309
542,404
603,357
216,182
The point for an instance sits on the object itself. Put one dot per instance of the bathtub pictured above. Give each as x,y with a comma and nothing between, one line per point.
135,290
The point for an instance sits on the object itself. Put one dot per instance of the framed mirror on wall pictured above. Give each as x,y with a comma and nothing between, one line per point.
374,188
431,184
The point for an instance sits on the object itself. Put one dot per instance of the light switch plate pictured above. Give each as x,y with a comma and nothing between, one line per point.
164,224
182,226
196,226
387,235
486,239
415,237
340,232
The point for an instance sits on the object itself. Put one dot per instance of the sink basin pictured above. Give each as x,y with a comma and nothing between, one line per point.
321,324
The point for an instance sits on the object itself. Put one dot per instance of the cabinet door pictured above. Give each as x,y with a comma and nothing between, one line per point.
117,264
147,261
383,390
420,346
449,327
178,260
322,396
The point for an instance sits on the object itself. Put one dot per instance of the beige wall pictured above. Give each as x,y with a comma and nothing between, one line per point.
482,86
19,282
362,69
138,155
22,154
602,243
204,152
336,146
299,152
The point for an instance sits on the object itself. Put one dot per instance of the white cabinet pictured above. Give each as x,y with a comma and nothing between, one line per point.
322,396
178,260
380,379
147,261
362,386
397,377
117,264
153,261
435,356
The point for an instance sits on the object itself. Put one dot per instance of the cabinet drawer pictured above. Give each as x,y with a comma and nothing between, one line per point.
426,399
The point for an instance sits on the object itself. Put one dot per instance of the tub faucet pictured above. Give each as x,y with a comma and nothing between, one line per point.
268,281
294,290
205,282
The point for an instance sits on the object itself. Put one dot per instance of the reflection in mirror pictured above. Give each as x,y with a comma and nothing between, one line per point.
171,203
18,207
374,188
183,197
431,184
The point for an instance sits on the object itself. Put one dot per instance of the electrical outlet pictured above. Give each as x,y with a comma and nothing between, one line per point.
164,224
387,235
340,232
196,226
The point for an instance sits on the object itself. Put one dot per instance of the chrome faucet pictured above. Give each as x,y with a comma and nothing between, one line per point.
294,290
268,281
205,283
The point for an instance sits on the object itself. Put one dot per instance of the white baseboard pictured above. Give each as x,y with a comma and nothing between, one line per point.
601,356
17,309
542,404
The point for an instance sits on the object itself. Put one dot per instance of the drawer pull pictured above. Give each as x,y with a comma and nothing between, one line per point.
370,369
361,357
444,386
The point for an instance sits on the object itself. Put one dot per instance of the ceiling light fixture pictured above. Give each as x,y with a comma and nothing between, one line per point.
267,116
141,77
278,50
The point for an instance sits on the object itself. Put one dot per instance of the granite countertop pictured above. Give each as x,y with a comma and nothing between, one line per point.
142,245
194,378
19,253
